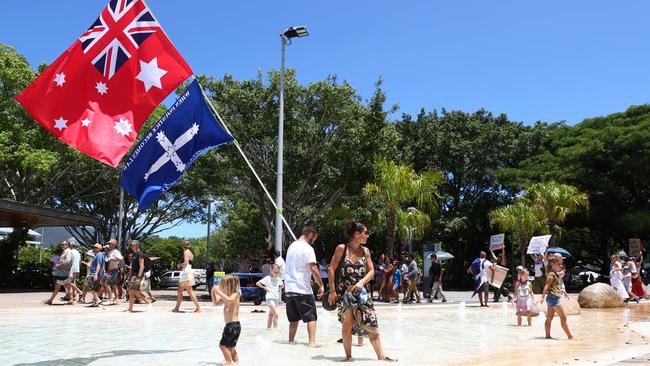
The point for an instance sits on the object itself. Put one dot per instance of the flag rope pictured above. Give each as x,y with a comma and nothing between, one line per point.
241,151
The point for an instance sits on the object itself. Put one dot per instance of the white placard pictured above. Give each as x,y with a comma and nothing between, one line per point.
497,241
538,244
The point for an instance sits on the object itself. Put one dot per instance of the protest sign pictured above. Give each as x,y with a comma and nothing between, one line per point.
497,241
538,244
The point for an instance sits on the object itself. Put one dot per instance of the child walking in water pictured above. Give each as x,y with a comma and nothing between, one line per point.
524,295
272,284
228,293
553,293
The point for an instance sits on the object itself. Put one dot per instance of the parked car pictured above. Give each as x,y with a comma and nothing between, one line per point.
171,278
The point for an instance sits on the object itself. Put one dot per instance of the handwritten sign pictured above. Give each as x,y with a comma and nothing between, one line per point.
538,244
497,241
635,247
500,274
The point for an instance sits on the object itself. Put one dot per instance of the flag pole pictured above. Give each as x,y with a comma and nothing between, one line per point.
241,151
120,219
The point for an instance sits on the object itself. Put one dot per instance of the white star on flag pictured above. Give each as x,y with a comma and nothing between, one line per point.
59,79
150,74
101,88
60,123
86,122
123,127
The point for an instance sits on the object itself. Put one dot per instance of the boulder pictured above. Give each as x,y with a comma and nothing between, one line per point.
599,295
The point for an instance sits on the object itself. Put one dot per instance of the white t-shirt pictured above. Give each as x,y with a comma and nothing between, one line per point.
113,258
272,287
539,266
300,256
486,274
76,258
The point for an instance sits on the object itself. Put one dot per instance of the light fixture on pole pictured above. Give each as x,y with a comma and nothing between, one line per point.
287,35
411,211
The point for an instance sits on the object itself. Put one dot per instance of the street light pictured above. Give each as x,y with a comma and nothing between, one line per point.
287,35
411,211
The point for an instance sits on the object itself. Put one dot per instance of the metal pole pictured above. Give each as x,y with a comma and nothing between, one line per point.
40,246
209,221
120,219
278,192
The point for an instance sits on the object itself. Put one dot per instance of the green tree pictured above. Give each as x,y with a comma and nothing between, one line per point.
397,185
474,152
330,140
521,220
554,202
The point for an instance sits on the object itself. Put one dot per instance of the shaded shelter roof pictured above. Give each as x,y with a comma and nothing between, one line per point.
18,214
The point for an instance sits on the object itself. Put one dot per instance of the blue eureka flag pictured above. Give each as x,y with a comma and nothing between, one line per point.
185,132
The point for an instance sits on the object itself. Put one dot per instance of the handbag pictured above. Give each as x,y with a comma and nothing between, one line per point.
61,274
337,272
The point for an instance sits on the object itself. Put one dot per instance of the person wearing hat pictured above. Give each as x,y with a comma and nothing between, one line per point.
62,273
114,259
74,270
96,273
136,275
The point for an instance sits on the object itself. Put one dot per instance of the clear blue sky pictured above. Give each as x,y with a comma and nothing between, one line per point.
549,61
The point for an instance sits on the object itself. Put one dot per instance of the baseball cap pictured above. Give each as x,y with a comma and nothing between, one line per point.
97,245
112,241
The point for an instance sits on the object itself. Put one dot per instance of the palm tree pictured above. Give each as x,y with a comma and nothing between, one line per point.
413,219
555,201
397,185
520,219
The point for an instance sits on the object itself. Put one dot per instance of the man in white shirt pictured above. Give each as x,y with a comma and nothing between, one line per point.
301,265
75,269
487,274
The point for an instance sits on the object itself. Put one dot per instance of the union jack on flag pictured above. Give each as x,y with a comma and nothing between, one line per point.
117,33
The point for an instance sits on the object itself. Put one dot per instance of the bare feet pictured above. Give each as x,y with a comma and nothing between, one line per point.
387,359
47,302
197,310
174,310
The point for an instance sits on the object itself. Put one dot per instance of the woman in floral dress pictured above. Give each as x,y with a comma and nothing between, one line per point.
351,269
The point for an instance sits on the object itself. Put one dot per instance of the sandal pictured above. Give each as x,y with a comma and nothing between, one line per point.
95,304
388,359
46,302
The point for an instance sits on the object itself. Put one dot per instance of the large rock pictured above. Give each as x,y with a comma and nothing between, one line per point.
599,295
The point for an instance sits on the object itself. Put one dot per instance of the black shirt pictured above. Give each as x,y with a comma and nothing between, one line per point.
434,272
135,263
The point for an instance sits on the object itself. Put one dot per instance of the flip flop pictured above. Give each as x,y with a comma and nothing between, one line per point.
388,359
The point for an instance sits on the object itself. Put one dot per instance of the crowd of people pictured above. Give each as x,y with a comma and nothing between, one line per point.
346,283
108,276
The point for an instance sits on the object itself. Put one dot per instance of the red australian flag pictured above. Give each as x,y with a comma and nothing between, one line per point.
99,92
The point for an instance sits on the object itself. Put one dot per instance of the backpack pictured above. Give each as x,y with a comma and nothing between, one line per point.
475,268
147,263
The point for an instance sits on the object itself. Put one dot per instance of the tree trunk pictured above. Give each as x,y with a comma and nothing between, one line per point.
551,231
390,230
522,250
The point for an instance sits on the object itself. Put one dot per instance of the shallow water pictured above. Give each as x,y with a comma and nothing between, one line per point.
415,335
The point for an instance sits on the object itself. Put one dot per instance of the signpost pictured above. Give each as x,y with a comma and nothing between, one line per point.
497,241
538,244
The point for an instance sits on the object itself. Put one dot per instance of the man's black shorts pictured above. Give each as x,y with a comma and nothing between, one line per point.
301,307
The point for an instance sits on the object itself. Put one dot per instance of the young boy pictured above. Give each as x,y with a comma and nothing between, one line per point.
228,293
